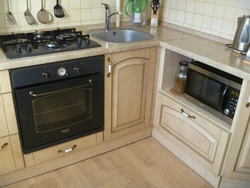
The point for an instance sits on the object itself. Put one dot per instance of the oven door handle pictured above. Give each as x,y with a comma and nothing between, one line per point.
31,93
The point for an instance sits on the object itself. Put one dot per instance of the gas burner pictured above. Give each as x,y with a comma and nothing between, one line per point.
66,36
40,43
52,45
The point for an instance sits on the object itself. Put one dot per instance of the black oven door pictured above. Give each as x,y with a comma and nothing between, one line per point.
207,90
52,113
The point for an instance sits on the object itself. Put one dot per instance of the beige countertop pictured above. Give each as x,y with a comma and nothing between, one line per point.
208,51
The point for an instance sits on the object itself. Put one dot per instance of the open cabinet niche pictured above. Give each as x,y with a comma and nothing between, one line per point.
169,65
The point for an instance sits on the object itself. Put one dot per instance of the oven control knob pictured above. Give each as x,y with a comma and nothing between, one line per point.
45,75
62,71
77,70
226,111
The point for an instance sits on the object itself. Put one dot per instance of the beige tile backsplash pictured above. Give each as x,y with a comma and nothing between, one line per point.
217,17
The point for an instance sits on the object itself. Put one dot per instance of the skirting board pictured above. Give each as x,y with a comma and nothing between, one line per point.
78,156
231,183
203,172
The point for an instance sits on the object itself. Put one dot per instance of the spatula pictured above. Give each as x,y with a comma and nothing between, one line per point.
9,16
28,16
58,11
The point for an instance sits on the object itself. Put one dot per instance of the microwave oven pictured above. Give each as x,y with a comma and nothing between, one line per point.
213,90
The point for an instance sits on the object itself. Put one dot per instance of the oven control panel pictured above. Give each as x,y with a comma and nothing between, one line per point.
57,71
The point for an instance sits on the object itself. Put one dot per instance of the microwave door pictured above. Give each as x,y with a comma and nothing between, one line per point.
213,93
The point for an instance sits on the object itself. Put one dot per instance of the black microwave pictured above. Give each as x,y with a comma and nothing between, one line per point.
213,90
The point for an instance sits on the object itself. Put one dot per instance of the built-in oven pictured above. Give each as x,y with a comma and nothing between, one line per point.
58,102
213,89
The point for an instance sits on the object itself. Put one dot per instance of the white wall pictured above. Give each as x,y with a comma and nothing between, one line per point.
217,17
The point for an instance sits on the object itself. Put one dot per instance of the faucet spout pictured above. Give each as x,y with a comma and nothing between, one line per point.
114,13
108,15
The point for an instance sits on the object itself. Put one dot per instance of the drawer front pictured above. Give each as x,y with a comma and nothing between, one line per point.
190,128
7,163
64,149
189,132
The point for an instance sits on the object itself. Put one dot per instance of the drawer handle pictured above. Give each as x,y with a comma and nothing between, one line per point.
187,115
67,150
4,145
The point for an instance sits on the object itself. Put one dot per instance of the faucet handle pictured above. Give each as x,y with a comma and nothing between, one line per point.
106,6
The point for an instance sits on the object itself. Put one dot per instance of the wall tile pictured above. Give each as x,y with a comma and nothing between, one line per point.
199,7
190,5
219,11
208,9
217,17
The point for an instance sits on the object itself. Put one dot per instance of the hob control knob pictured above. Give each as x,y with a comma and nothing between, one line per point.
28,49
18,49
45,75
77,70
79,42
87,40
226,111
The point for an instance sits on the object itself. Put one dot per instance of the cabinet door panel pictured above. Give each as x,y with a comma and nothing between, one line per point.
129,93
7,163
243,163
189,132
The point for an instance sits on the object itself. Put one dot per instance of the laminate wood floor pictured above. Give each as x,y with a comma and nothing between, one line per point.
143,164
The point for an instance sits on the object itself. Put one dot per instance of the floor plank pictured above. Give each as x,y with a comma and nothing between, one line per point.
143,164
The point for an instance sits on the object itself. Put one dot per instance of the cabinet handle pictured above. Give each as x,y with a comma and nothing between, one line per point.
67,150
247,104
4,145
109,70
187,115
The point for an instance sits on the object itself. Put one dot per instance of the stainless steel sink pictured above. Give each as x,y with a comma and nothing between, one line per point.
121,35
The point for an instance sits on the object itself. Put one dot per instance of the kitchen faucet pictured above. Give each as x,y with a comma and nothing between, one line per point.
108,16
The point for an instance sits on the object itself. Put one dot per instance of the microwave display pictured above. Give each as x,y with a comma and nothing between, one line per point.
212,89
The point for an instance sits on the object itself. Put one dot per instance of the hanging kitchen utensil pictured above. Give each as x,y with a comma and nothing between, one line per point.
28,16
155,4
9,16
44,16
58,11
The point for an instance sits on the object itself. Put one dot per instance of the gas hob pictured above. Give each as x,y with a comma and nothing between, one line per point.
46,42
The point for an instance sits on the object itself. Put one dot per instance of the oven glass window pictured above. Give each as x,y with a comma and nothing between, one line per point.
205,89
61,110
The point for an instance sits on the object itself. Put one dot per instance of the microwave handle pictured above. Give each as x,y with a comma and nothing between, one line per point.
222,98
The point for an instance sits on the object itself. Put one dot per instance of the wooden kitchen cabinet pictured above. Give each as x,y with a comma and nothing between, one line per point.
191,133
128,91
10,154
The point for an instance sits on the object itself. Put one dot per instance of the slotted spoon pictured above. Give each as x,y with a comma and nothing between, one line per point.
28,16
58,11
9,16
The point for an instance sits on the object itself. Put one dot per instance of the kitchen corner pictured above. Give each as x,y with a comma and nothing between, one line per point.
135,81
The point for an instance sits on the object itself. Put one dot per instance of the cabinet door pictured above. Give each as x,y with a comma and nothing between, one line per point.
129,81
130,96
243,162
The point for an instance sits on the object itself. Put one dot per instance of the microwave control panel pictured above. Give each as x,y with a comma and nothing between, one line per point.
231,102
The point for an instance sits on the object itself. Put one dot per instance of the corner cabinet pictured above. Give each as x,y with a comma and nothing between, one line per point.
128,91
